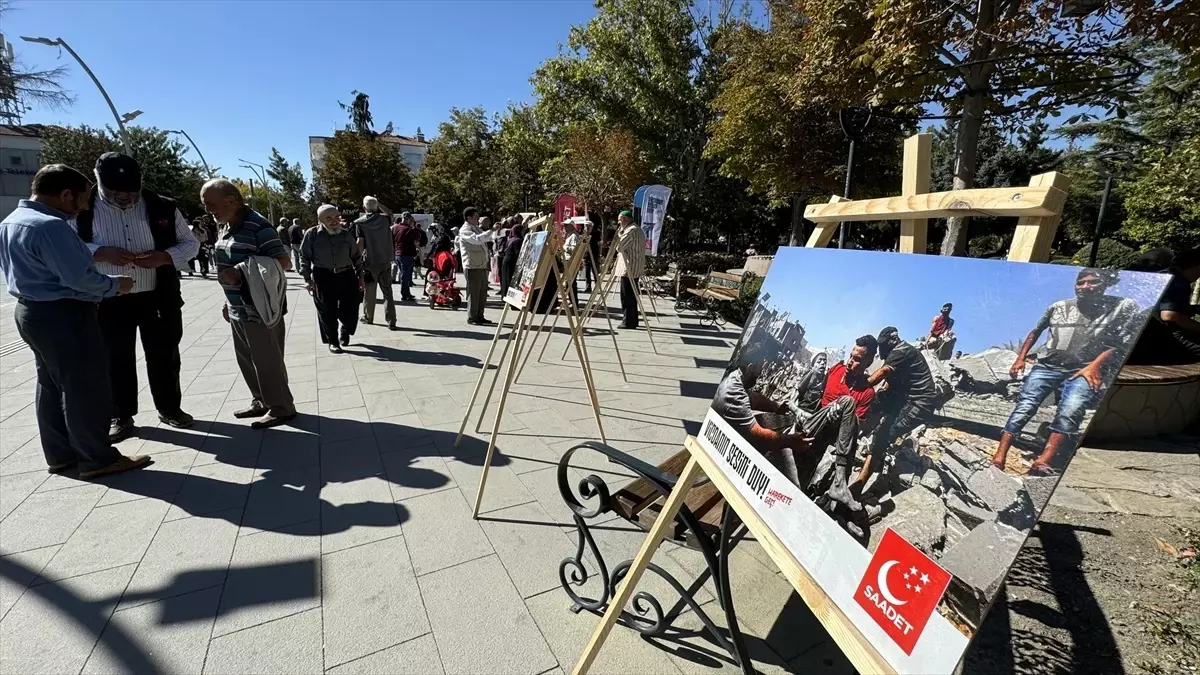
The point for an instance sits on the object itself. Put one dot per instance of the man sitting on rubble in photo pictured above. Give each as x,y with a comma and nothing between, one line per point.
811,386
1084,333
941,336
736,402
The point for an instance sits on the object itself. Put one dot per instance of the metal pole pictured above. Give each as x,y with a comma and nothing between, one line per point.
251,180
266,187
1100,220
846,193
197,149
113,108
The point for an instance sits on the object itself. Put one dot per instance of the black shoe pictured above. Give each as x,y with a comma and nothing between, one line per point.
120,429
393,326
179,419
335,349
256,409
365,320
345,340
272,420
471,322
409,298
484,322
61,468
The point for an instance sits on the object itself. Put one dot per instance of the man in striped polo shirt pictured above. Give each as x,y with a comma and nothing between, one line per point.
631,264
259,347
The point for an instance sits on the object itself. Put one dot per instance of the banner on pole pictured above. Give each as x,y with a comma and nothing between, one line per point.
650,201
565,207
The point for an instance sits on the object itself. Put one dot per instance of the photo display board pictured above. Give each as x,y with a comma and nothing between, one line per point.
531,269
963,386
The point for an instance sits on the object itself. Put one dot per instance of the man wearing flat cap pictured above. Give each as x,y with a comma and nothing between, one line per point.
137,233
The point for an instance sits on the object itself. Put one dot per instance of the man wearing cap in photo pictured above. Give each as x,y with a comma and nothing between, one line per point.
373,229
137,233
631,264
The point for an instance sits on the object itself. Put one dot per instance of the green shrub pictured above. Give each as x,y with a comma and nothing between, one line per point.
1112,254
739,310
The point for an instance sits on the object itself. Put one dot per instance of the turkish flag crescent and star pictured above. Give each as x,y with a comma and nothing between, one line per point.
901,589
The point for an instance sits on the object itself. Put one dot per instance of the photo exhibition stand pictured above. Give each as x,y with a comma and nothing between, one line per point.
521,328
604,283
1038,208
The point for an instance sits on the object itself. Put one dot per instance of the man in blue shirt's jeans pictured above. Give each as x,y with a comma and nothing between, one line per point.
51,273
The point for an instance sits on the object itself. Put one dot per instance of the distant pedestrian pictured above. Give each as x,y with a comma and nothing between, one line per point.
283,228
259,347
294,239
406,245
135,232
631,264
592,259
373,230
331,264
472,241
511,252
52,275
201,236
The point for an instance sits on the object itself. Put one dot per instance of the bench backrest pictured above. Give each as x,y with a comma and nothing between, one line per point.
724,282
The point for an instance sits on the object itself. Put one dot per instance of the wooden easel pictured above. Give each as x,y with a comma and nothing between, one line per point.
1039,208
569,273
516,340
607,278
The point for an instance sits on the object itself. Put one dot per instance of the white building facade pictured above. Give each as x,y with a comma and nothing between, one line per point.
412,150
20,159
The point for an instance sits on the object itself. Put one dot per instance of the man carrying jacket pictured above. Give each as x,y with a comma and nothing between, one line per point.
138,233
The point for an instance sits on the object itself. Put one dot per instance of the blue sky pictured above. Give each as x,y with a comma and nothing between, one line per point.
241,77
838,295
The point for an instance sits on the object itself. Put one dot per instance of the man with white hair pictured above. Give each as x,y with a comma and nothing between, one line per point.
137,233
259,348
373,230
332,270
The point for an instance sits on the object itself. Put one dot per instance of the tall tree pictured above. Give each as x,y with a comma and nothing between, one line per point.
522,145
164,168
361,120
291,186
357,165
458,168
1012,59
21,86
602,168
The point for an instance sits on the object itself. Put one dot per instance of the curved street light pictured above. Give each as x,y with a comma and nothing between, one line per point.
59,42
266,187
194,147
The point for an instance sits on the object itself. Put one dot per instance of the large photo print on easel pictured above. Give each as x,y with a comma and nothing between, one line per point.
937,398
530,274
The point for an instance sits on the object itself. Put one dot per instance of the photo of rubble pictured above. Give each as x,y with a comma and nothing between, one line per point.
939,397
528,269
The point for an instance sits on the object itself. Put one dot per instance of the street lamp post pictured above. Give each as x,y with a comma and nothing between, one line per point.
194,147
266,186
59,42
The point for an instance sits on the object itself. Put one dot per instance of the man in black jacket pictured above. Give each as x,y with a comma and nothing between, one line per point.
137,233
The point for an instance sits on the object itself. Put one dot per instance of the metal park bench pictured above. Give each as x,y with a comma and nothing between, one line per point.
719,287
705,523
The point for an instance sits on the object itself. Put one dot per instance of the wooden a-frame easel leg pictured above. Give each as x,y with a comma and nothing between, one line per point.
637,294
508,380
487,360
664,523
602,298
499,365
584,363
537,333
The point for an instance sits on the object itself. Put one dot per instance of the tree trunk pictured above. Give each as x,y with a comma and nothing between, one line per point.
797,236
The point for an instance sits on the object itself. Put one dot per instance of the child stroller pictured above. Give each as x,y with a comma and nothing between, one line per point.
442,291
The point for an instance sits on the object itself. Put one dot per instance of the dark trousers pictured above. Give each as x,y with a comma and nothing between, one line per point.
160,322
404,267
898,419
629,304
336,296
202,257
589,272
477,287
259,350
74,396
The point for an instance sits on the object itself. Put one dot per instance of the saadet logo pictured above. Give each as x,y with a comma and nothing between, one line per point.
901,589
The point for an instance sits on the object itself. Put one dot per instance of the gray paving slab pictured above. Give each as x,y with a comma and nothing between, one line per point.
466,603
109,537
52,628
370,600
503,488
186,555
291,644
530,545
174,632
440,532
271,575
279,498
210,488
418,656
21,570
48,518
416,471
14,488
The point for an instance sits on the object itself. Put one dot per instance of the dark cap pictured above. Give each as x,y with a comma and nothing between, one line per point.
119,173
888,334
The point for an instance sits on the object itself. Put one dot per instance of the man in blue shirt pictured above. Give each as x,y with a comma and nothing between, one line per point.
57,286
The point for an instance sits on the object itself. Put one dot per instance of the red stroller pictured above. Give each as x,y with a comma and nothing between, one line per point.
440,286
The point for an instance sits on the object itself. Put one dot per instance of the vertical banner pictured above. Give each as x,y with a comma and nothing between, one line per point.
565,208
651,204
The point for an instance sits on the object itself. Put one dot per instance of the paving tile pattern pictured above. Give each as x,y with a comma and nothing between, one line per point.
344,543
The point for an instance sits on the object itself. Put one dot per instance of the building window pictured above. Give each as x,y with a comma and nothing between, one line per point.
14,160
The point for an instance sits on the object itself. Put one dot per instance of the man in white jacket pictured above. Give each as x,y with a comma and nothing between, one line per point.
473,239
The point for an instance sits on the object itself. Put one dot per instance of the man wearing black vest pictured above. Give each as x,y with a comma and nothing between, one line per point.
137,233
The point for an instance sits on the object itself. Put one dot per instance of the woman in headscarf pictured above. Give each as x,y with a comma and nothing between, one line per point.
512,250
331,264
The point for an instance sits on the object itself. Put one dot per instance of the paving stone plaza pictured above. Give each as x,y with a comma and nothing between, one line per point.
344,543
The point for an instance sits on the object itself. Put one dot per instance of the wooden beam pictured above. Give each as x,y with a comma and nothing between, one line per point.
1035,234
822,234
1019,201
917,176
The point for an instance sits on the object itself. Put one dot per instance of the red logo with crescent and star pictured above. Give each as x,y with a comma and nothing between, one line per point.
901,589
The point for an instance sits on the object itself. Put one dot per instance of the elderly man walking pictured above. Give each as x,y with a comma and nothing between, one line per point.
51,273
631,264
258,346
473,238
332,270
373,230
137,233
294,239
